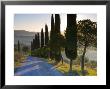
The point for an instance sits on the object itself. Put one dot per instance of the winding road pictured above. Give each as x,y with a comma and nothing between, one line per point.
34,66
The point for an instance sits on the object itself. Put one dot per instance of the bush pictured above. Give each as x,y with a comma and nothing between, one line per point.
18,56
46,52
93,64
25,49
41,52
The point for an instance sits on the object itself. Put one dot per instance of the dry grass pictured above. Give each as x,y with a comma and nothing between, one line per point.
18,59
76,69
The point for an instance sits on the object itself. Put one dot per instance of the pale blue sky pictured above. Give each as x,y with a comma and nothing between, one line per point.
34,22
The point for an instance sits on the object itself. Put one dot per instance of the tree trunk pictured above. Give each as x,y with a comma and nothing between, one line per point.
82,62
71,62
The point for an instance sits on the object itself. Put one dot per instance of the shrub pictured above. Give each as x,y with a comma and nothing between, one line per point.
25,49
41,52
17,56
93,64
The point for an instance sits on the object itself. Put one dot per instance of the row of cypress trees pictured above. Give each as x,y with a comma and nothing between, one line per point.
54,43
70,38
40,42
55,35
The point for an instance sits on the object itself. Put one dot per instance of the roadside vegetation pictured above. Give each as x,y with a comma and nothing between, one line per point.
20,54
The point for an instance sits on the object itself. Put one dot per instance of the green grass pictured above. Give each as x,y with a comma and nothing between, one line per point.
76,69
18,59
64,68
18,63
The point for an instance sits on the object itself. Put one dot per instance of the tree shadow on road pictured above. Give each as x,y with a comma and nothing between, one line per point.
75,73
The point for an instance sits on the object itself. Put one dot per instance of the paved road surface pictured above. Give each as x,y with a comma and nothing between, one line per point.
34,66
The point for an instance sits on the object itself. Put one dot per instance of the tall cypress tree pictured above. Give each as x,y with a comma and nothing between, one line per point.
31,46
33,43
52,38
42,38
57,36
57,23
46,35
52,28
71,38
18,46
38,41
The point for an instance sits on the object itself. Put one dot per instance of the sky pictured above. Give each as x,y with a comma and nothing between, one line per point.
35,22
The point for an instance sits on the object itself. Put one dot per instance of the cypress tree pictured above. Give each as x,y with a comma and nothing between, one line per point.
57,23
52,28
18,46
57,36
33,44
52,38
71,38
38,41
46,35
31,47
42,38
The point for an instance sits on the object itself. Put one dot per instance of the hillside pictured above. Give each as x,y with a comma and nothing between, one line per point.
23,36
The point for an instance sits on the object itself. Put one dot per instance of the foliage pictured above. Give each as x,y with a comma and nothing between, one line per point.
41,52
57,24
33,44
71,38
18,58
76,70
36,42
46,35
42,38
25,49
19,46
87,31
93,64
52,37
15,47
55,38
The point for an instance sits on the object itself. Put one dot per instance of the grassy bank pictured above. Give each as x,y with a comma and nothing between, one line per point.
76,69
18,59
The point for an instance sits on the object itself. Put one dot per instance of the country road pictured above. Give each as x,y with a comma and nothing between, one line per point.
34,66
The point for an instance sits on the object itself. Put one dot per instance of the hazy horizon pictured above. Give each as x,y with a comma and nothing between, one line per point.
35,22
62,32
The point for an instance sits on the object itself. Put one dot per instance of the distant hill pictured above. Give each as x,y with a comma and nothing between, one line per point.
23,33
23,36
